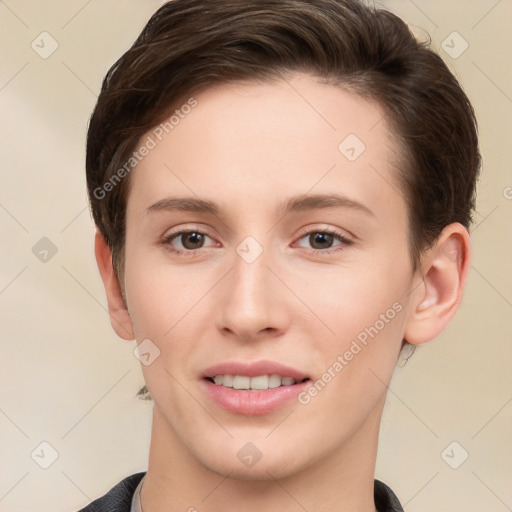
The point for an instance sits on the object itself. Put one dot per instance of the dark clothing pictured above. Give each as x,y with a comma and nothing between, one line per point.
119,498
385,498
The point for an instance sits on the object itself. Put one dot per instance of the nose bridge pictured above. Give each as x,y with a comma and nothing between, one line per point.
252,301
250,272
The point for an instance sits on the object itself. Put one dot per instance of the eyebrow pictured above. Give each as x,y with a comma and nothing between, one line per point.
295,204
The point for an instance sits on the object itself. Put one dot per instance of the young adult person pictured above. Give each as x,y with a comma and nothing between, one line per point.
282,191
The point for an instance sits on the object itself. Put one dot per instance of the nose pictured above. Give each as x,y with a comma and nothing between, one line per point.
253,304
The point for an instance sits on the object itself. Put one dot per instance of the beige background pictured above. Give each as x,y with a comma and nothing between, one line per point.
69,381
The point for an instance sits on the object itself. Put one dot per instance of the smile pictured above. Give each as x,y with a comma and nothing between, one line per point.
258,383
252,387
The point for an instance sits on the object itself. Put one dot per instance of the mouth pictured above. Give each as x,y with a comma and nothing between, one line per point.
252,388
258,383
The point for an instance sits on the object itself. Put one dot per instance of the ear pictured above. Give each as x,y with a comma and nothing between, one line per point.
119,316
442,278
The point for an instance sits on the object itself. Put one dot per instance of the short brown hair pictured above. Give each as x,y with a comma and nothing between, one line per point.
192,44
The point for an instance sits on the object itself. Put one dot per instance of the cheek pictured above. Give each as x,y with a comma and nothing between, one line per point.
363,310
167,305
157,294
356,364
348,300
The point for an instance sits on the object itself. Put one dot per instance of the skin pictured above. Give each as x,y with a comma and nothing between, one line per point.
249,147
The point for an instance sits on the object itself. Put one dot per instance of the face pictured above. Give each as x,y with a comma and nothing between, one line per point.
267,236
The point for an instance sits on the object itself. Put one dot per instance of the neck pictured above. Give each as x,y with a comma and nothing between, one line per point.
342,481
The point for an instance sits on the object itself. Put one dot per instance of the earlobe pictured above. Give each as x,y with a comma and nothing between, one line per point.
118,311
444,272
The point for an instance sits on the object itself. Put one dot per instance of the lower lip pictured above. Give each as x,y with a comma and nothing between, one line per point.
252,403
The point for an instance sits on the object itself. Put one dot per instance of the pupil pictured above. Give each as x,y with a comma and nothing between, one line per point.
196,239
321,238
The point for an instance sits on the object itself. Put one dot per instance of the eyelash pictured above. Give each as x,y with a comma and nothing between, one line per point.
191,253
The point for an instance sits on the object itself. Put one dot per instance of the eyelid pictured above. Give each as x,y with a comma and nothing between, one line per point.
186,229
342,233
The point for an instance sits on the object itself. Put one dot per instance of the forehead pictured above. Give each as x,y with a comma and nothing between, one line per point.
263,141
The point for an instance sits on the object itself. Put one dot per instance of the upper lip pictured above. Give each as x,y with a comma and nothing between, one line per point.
253,369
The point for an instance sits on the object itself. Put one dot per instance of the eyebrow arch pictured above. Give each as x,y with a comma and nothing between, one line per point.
294,204
187,204
319,201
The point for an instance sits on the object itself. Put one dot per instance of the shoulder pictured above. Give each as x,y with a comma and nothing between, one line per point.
385,499
119,498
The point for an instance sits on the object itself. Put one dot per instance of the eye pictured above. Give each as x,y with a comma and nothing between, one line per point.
322,240
185,241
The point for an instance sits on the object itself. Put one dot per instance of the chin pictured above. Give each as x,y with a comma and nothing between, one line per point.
261,471
261,460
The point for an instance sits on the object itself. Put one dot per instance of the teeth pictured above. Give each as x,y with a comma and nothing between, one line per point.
260,382
226,380
274,381
240,382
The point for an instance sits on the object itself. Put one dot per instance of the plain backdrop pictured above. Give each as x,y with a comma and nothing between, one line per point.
68,383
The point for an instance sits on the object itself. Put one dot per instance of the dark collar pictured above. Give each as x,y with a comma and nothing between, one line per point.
385,498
